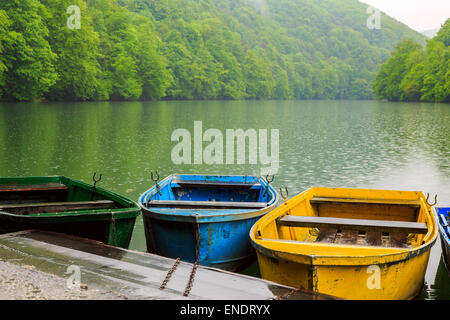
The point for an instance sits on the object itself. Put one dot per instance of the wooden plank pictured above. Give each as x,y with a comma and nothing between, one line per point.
353,224
409,203
213,184
208,204
34,187
31,208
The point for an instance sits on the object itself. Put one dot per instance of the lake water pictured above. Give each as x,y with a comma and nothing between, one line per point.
362,144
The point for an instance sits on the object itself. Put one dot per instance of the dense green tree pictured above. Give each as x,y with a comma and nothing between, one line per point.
27,55
5,22
388,80
152,66
437,72
412,82
180,60
414,74
443,34
131,62
260,83
77,50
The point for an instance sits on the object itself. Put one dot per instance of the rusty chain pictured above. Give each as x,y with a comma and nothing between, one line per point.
169,274
288,294
191,279
194,267
197,256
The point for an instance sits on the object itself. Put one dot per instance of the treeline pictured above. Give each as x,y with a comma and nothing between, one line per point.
192,49
114,55
413,73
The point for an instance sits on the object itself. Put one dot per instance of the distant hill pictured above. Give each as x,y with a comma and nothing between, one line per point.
193,49
430,33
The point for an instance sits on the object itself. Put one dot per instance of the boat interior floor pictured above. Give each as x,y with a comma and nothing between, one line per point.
363,238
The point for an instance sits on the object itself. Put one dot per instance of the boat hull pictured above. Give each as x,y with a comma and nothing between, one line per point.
117,233
399,279
112,226
223,245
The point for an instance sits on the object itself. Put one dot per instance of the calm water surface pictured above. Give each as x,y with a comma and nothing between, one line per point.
362,144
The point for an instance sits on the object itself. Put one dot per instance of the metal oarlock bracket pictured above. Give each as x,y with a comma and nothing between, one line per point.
269,181
271,178
435,200
94,178
282,194
158,188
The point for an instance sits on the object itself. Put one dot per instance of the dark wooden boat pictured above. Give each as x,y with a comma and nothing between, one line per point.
65,205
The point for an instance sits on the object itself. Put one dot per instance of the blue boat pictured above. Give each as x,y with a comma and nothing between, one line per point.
443,217
206,218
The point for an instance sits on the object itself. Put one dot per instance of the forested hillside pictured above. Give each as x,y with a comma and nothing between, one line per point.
192,49
413,73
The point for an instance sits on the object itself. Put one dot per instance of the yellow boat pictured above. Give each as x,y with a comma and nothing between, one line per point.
350,243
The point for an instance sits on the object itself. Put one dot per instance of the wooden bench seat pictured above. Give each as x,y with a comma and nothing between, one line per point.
206,204
33,187
328,200
213,184
32,208
352,224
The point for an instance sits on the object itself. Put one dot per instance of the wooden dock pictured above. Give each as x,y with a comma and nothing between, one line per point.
131,274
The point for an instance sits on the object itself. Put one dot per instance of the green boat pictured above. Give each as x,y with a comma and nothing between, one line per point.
64,205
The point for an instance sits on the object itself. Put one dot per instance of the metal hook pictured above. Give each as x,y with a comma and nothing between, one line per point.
284,196
94,178
268,182
158,188
435,200
157,176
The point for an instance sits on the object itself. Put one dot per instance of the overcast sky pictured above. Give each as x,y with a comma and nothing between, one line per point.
418,14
